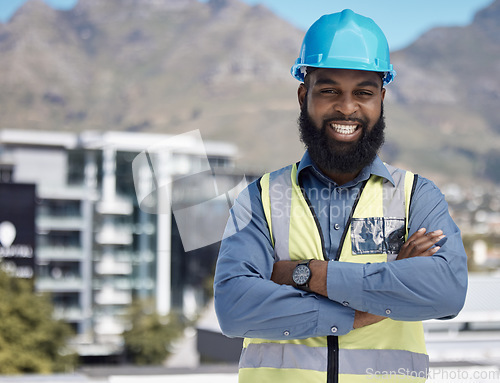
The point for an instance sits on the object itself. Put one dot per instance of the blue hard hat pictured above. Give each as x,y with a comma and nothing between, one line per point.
344,40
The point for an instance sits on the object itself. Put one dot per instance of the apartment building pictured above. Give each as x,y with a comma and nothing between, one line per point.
122,216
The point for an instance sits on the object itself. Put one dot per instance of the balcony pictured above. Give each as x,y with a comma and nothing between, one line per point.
68,284
109,326
62,223
111,296
66,193
117,206
123,283
68,313
110,266
114,235
59,253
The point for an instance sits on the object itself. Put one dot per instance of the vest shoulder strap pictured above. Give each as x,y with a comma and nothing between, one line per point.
276,186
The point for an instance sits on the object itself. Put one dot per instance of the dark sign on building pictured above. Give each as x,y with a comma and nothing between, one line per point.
17,229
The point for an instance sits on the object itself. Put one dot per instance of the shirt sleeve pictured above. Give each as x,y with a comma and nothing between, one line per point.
417,288
248,303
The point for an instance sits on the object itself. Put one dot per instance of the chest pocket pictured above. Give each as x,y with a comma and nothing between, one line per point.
377,235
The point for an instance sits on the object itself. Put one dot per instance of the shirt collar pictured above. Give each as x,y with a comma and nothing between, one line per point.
376,168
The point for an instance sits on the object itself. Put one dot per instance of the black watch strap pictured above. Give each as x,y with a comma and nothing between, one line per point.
305,286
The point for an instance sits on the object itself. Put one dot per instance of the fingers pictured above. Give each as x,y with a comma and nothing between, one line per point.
421,244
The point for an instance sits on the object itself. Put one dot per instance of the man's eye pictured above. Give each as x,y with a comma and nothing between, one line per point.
364,93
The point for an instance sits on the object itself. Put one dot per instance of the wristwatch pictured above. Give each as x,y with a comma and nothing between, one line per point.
302,275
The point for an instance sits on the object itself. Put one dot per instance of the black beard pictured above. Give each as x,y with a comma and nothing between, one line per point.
339,157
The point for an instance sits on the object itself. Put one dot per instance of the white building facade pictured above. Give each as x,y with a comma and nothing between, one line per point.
105,228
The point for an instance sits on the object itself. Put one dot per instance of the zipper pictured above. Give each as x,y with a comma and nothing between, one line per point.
333,341
332,374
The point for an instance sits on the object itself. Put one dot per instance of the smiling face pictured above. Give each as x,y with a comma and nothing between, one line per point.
341,120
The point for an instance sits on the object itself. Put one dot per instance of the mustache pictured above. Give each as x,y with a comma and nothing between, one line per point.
358,121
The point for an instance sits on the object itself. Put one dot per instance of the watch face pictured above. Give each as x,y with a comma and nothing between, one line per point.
301,275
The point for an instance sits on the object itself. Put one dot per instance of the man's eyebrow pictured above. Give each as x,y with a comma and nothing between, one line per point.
368,83
325,81
329,81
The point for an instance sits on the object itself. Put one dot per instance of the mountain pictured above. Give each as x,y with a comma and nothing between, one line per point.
448,85
223,67
157,66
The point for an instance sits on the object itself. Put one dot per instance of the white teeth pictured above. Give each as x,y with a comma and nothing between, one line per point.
344,129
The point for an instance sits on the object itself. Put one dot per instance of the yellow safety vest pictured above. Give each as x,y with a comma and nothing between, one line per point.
387,351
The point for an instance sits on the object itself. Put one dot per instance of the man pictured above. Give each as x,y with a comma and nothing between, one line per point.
334,261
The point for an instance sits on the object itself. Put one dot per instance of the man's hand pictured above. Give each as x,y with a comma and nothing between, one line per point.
421,244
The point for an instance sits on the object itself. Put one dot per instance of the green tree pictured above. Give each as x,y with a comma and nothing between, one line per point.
150,336
31,341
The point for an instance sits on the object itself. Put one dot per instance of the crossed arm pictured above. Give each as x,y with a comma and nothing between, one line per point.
420,244
254,296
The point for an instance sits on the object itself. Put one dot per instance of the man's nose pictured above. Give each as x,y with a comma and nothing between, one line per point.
346,104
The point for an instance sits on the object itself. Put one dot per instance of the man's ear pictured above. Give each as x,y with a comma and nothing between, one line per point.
302,94
383,94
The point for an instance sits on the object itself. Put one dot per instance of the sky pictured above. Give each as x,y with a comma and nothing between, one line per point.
402,21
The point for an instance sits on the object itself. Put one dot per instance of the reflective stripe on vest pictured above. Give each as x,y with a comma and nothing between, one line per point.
287,201
378,227
279,355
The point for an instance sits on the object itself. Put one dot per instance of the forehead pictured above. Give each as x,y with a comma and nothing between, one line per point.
348,77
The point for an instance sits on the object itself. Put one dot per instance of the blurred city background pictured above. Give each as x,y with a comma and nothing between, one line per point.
129,126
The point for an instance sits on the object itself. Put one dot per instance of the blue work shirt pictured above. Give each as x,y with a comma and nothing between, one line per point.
249,304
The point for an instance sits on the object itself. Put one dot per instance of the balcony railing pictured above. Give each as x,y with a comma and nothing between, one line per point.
110,266
47,222
59,253
68,193
117,206
109,326
110,296
115,235
68,313
59,285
